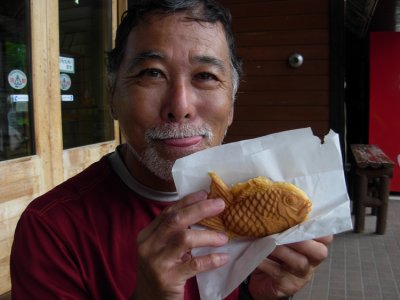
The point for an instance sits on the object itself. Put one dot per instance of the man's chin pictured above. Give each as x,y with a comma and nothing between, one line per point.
158,164
161,164
160,160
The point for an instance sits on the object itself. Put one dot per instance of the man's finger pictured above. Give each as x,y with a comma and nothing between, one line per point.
271,268
184,202
201,264
291,260
184,241
191,199
182,218
315,250
325,239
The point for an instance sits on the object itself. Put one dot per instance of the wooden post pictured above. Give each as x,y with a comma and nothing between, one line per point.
46,90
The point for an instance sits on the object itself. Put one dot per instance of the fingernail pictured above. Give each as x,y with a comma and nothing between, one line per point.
219,203
223,258
222,236
202,194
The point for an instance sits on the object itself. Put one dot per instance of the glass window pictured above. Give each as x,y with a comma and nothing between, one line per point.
15,98
85,37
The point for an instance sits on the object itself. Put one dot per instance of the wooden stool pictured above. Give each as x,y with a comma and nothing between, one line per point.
371,181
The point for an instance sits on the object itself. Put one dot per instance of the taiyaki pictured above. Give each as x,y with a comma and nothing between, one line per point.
257,207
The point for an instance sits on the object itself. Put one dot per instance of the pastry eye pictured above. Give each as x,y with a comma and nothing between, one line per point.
289,201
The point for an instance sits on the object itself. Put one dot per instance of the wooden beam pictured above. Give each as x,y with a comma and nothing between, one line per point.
46,90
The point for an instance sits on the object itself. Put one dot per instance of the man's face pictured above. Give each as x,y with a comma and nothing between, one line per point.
173,93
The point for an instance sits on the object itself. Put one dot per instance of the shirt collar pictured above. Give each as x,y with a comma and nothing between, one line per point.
121,169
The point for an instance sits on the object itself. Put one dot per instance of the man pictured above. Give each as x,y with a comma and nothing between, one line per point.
118,229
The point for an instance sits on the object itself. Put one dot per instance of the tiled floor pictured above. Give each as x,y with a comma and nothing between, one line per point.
361,266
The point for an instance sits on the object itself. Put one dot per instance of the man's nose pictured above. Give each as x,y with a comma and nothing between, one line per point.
179,102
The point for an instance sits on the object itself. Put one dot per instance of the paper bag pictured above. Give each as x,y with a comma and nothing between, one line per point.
295,156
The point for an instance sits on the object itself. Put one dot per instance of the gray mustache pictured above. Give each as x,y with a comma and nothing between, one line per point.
175,131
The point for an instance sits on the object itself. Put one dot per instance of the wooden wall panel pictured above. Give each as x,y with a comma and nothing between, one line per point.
282,113
262,8
272,95
77,159
20,182
283,22
282,52
282,83
250,129
19,178
269,68
281,98
282,37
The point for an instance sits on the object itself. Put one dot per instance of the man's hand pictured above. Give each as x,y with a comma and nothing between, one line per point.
164,248
287,269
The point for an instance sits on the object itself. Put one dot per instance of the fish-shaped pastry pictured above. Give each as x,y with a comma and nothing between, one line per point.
257,207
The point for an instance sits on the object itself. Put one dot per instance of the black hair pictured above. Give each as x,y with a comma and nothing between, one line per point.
209,11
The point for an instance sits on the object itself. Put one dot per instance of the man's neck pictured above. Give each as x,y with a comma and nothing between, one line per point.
142,174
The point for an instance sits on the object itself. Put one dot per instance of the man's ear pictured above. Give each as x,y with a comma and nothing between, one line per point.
230,117
113,109
111,96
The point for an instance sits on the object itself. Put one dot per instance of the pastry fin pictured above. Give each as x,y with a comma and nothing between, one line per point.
213,223
218,189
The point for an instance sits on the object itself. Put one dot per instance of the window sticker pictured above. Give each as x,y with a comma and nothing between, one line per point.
67,64
67,98
19,98
65,82
17,79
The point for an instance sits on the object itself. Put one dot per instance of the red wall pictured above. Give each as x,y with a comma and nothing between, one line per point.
384,125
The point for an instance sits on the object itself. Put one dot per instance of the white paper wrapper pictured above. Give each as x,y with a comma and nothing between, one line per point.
295,156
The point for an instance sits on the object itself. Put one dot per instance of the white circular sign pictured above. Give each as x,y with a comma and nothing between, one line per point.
17,79
65,82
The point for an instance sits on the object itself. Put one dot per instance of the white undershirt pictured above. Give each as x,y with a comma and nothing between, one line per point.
120,168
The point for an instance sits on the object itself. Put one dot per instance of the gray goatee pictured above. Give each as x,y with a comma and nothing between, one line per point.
151,157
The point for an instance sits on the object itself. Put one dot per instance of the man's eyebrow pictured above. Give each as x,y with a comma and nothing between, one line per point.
146,55
210,60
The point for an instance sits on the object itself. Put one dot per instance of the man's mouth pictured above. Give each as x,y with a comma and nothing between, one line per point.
183,142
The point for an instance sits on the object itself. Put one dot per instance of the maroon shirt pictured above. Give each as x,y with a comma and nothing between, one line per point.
78,241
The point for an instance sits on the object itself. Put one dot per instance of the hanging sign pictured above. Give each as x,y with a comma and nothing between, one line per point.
67,64
17,79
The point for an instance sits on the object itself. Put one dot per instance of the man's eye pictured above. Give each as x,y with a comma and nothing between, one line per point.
151,73
206,76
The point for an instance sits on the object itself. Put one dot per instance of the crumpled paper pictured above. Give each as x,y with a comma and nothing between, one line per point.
295,156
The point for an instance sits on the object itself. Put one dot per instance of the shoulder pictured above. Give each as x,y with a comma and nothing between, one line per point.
91,183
